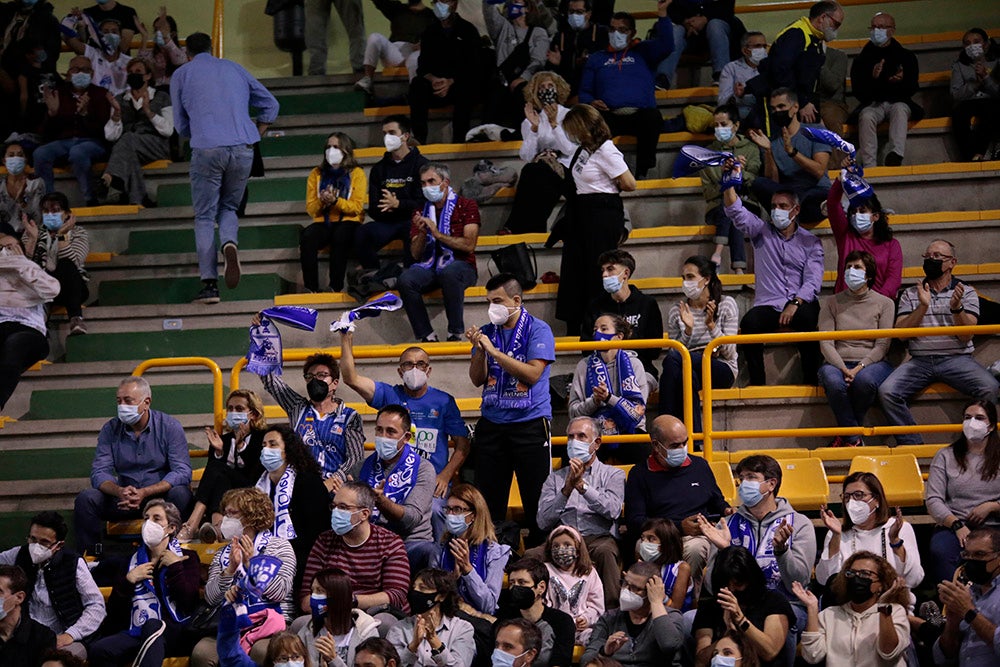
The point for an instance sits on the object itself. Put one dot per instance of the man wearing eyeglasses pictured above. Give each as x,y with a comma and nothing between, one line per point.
973,603
939,300
433,412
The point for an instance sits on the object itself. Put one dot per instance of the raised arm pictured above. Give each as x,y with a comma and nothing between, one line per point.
365,386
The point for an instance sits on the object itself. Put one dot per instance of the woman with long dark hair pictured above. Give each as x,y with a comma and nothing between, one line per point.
963,487
660,542
336,628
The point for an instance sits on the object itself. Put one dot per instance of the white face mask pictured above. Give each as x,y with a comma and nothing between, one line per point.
780,218
39,554
334,156
975,430
498,313
879,36
757,55
974,50
858,510
392,142
230,527
629,601
414,379
691,288
862,221
649,551
152,533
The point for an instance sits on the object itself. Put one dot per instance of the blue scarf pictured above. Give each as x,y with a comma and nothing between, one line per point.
283,527
743,535
477,557
146,604
264,355
325,438
252,597
627,414
438,254
503,390
400,481
670,578
337,178
388,302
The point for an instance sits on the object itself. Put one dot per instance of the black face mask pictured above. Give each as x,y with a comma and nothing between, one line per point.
933,268
977,571
135,80
859,590
317,389
421,602
522,597
548,96
781,118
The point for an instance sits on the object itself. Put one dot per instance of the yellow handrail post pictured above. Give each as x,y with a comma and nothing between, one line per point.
218,409
706,402
217,28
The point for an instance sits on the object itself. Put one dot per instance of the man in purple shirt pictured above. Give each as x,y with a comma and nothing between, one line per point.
789,273
141,454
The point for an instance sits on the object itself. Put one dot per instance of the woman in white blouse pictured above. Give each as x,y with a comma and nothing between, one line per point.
596,214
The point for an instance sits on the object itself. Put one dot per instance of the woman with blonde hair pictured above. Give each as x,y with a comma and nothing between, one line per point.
233,462
470,549
574,585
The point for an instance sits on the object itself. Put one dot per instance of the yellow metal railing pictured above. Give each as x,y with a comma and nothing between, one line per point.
709,435
217,28
218,407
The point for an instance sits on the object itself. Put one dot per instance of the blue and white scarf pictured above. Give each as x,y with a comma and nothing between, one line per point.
387,302
253,598
264,355
146,605
337,178
625,416
669,577
398,483
283,527
742,534
438,254
502,389
477,558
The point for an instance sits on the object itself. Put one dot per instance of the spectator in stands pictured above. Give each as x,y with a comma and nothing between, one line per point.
393,193
114,11
443,238
407,23
586,495
233,463
433,635
736,73
519,638
574,587
376,652
854,369
660,543
972,621
25,24
447,71
108,59
372,556
595,212
579,36
330,429
938,301
674,486
866,526
285,648
642,620
843,634
73,127
733,648
697,26
831,89
470,549
619,297
865,227
729,139
963,486
63,596
26,288
794,62
249,517
545,150
26,104
60,246
317,19
141,454
292,481
884,79
221,151
700,317
525,597
511,358
792,161
619,83
336,630
140,127
610,385
404,485
57,658
162,587
789,274
165,55
20,196
336,196
975,94
23,640
744,602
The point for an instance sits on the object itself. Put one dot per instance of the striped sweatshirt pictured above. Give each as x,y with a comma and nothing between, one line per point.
727,322
279,589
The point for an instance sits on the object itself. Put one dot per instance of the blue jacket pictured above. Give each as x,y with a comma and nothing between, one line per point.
625,78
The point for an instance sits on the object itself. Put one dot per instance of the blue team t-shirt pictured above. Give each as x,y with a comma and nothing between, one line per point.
435,416
541,345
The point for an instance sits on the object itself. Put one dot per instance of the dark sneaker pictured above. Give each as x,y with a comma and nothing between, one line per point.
77,327
209,294
233,269
454,338
893,159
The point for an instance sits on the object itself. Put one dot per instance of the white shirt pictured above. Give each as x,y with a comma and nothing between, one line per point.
547,138
847,638
854,540
595,173
108,74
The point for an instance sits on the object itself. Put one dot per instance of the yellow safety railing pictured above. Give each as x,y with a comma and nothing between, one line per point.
217,28
709,434
218,408
464,349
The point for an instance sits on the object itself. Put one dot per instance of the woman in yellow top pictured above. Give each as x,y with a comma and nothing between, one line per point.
336,195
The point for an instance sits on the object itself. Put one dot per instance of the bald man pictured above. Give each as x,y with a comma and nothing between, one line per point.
672,485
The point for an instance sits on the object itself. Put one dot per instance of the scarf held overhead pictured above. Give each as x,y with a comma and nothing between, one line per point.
386,303
264,355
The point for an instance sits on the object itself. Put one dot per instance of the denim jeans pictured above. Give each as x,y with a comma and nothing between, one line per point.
946,554
81,154
717,33
672,384
849,403
218,179
959,371
452,279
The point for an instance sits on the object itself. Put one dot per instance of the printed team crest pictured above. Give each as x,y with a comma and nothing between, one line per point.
260,571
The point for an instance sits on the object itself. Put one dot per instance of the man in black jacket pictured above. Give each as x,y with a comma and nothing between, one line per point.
23,641
526,598
884,78
446,72
393,194
578,37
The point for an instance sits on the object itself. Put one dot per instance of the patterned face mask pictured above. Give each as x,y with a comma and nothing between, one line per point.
547,96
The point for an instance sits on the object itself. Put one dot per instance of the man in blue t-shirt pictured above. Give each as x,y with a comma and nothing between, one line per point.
510,361
434,414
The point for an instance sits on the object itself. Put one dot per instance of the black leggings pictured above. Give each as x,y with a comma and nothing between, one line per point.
21,347
339,236
73,289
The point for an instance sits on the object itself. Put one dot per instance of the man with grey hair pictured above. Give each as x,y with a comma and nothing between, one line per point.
141,453
443,237
587,495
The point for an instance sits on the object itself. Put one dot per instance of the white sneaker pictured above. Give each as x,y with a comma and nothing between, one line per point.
490,130
365,84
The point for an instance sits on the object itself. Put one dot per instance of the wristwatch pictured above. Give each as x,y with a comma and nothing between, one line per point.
439,650
970,616
745,625
956,525
796,301
795,151
896,545
956,311
885,609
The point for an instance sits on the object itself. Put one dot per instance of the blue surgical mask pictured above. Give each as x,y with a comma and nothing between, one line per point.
455,523
618,40
503,659
676,457
340,521
52,221
603,337
577,21
612,284
386,448
129,414
291,663
27,4
271,459
158,39
236,419
879,36
80,80
317,603
750,493
861,222
111,41
442,10
723,661
780,218
724,134
432,193
649,551
14,164
578,449
41,56
855,278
